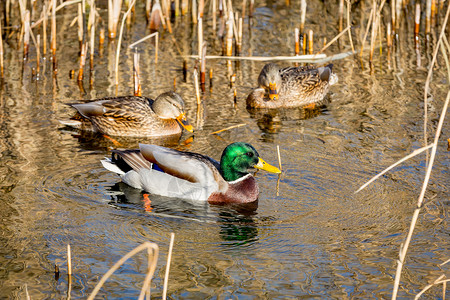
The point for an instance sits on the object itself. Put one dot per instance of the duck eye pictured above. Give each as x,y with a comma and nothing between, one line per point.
249,154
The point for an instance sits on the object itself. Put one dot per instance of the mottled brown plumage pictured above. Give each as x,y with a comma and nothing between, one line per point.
291,87
132,116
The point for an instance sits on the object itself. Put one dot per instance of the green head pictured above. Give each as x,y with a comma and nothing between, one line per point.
237,160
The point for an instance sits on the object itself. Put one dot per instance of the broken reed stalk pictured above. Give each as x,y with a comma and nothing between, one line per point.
417,26
44,31
26,36
151,248
69,261
154,34
374,31
210,78
310,42
405,245
92,34
83,54
80,27
389,43
428,17
120,41
228,128
302,15
214,16
200,37
414,153
177,8
156,17
426,288
279,157
349,25
203,67
53,31
341,14
366,32
229,35
239,39
37,45
197,90
201,8
1,52
169,259
114,7
194,11
61,6
184,6
137,81
430,72
303,42
334,39
404,248
297,41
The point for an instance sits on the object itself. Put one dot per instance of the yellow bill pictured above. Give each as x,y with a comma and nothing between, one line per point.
185,123
266,167
273,93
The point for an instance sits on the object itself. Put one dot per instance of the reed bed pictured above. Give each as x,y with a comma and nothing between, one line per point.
228,29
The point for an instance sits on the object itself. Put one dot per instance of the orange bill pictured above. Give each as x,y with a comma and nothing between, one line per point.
185,123
273,93
266,167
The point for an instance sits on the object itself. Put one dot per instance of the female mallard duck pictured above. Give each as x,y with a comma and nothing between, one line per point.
132,116
191,176
291,87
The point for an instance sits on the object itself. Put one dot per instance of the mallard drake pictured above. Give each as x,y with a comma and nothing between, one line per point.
291,87
191,176
132,116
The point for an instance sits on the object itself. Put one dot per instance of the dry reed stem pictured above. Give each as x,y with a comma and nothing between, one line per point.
302,15
200,37
53,31
1,52
228,128
114,7
156,35
80,26
154,258
428,17
184,6
414,153
120,41
366,32
341,14
194,11
37,46
62,5
417,25
297,41
310,41
92,34
404,247
279,158
26,36
203,66
26,292
429,286
430,72
197,91
69,260
349,25
169,259
177,8
300,58
334,39
44,31
214,16
137,82
156,17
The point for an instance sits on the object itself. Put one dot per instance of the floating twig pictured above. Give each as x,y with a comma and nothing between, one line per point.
228,128
300,58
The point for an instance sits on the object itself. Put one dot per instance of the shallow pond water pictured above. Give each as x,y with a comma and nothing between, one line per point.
308,236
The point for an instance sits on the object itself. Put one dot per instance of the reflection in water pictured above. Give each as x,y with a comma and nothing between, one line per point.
270,120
